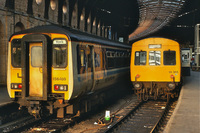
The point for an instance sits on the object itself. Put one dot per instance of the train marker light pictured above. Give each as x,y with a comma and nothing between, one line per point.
15,86
61,88
137,76
65,88
56,87
19,86
172,76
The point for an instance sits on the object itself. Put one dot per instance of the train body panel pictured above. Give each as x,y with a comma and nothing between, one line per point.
155,65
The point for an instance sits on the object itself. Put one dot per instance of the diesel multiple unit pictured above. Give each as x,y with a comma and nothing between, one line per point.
49,67
155,67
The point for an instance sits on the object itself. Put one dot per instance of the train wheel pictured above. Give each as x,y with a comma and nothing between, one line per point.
145,95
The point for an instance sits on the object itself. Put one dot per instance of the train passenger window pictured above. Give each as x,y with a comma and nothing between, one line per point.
59,53
16,53
154,58
140,58
36,56
169,57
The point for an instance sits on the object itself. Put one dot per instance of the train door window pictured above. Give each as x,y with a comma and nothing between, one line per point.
104,58
154,58
169,57
97,60
59,53
36,56
81,59
89,58
82,53
16,52
140,57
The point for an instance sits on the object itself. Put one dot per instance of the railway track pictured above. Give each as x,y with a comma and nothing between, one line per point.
141,117
134,117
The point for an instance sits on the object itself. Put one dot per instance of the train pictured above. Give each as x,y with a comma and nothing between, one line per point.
185,59
155,68
54,69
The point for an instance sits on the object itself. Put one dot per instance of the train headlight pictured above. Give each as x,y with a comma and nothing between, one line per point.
138,86
16,86
171,86
60,87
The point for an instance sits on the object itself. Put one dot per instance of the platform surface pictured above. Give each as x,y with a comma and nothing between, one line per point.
4,97
186,116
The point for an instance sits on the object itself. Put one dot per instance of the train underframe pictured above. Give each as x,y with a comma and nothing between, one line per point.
156,90
57,105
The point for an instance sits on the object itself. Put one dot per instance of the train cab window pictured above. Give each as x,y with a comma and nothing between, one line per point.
140,58
154,58
16,52
169,57
59,53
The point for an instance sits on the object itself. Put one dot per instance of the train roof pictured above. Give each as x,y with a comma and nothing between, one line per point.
73,35
152,40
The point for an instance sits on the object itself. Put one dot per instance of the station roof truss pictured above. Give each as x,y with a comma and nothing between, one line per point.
155,14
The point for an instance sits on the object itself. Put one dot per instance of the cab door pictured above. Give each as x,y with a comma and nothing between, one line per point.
36,67
35,70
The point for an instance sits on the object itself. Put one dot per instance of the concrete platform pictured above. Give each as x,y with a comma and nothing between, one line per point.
186,116
4,97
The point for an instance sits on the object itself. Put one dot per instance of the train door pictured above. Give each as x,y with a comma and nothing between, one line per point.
35,70
90,65
34,67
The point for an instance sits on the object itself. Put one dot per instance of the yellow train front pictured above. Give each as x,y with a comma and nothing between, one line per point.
50,68
155,67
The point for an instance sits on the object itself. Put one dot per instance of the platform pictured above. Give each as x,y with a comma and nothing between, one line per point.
4,97
186,116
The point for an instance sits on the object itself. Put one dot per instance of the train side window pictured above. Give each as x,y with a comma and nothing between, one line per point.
16,52
140,58
59,53
169,57
154,58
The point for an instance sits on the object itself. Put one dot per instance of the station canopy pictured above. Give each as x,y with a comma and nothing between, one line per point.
154,14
